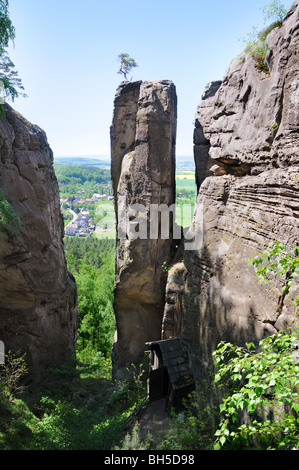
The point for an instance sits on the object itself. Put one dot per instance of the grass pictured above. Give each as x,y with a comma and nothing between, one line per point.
81,409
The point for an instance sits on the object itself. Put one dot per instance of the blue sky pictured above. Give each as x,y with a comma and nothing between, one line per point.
66,53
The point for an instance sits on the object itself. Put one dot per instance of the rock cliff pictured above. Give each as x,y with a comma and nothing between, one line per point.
247,172
247,168
143,136
38,300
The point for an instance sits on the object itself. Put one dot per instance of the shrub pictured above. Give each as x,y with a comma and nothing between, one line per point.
9,220
267,381
265,378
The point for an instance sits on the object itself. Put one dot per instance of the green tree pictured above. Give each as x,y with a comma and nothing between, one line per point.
126,64
255,44
274,11
10,83
96,316
92,262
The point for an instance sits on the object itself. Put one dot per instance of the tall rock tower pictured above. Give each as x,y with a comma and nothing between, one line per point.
143,136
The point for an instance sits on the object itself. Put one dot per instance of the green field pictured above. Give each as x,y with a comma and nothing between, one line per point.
106,226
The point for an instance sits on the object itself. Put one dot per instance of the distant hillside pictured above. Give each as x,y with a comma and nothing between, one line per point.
104,162
101,162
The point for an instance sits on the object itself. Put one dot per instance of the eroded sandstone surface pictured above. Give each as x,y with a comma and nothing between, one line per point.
38,299
143,136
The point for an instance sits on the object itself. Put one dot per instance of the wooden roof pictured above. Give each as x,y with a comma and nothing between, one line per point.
175,360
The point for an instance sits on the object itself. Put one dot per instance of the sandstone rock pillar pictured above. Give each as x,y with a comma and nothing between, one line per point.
143,136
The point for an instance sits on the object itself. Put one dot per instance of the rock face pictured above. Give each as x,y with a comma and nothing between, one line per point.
247,161
251,123
38,300
247,171
143,136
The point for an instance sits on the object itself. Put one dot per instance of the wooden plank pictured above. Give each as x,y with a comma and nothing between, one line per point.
173,358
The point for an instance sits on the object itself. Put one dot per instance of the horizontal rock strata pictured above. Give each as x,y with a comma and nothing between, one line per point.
247,168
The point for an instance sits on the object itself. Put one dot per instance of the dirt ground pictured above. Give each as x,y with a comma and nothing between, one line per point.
154,419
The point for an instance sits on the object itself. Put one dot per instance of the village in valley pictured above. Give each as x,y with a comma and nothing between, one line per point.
83,224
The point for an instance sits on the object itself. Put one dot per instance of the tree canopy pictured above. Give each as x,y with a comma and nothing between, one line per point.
10,84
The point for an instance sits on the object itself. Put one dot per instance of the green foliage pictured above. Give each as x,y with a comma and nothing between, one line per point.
72,178
126,64
278,261
75,174
9,220
191,428
76,412
7,30
92,262
267,380
274,11
17,422
133,441
274,126
88,251
10,84
12,372
95,419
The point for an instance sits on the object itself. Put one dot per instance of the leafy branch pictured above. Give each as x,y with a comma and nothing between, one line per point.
10,84
266,376
12,373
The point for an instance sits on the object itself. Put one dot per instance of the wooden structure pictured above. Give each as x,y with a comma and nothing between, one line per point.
170,375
